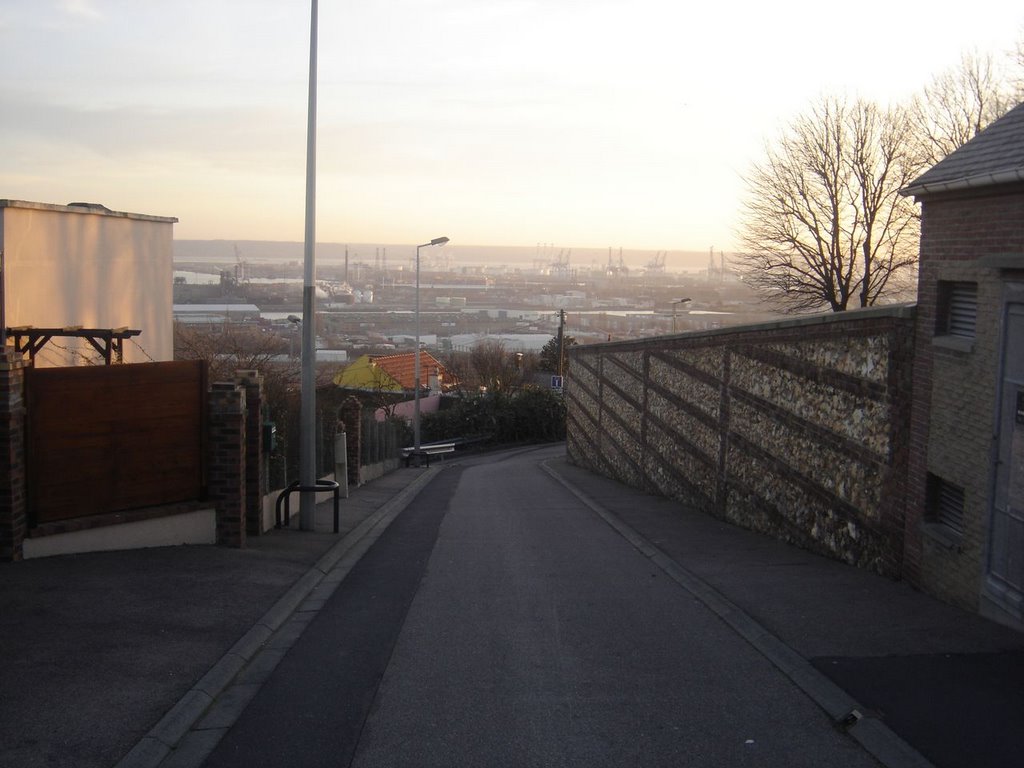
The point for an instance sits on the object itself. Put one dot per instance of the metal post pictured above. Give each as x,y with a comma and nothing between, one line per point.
307,421
561,340
675,305
341,461
416,366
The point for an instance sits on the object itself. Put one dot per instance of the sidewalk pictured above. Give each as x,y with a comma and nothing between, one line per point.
108,655
948,682
95,649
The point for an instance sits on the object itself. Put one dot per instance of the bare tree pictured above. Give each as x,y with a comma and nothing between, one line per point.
495,368
823,223
381,391
1017,70
961,102
227,348
231,347
883,163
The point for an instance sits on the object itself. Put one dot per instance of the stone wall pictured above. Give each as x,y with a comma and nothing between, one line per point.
797,429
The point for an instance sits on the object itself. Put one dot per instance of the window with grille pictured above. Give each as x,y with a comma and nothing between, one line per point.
946,504
958,309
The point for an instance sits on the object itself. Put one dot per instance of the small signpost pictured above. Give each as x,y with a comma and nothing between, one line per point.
556,383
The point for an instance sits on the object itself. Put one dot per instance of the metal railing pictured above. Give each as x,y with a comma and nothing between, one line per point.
284,498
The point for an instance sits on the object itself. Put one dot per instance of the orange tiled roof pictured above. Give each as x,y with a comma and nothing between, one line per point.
402,368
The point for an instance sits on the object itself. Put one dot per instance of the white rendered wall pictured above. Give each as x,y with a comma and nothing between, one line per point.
65,266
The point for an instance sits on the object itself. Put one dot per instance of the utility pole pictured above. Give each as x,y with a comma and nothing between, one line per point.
561,338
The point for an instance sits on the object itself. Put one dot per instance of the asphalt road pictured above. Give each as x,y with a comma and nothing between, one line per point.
960,710
500,622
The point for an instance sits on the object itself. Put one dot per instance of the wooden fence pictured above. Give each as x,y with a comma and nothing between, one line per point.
112,438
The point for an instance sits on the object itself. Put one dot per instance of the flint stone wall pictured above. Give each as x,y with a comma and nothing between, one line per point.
797,429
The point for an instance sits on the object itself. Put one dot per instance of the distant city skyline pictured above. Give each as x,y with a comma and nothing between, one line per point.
394,256
586,125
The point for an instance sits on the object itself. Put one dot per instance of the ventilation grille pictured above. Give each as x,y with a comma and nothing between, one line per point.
962,309
946,505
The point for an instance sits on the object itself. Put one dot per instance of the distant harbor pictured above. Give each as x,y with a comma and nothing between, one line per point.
542,258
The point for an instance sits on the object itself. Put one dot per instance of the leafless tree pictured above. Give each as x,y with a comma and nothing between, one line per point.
494,367
231,347
959,103
228,347
380,391
823,224
1017,70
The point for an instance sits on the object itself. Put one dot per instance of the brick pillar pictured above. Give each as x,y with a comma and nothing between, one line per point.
13,510
227,452
351,417
255,482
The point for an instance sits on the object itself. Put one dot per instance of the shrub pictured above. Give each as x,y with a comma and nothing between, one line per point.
527,415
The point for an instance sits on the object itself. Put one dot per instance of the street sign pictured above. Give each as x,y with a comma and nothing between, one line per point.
556,382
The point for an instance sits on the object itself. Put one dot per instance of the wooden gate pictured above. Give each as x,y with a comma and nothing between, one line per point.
112,438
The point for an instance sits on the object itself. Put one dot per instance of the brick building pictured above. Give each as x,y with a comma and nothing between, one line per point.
964,529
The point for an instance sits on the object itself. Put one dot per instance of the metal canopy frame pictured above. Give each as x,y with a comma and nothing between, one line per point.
108,342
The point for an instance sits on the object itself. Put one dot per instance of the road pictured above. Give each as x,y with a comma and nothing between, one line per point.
500,622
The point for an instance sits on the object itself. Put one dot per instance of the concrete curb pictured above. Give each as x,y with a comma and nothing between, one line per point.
874,736
191,729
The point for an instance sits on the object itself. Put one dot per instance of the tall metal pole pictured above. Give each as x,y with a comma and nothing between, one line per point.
416,365
561,340
675,305
307,421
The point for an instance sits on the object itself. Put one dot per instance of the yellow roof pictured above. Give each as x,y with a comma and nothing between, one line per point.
364,373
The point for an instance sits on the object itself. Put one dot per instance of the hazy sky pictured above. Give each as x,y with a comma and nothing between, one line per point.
575,122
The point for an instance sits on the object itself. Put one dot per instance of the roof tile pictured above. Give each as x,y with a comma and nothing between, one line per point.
402,368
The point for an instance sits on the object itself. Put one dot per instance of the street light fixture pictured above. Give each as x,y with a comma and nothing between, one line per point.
416,367
676,303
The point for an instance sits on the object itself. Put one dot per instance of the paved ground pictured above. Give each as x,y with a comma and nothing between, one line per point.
120,656
96,648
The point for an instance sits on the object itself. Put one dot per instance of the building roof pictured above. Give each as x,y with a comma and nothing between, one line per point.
364,373
86,208
391,372
993,157
402,368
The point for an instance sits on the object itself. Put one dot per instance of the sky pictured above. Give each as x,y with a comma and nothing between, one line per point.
590,123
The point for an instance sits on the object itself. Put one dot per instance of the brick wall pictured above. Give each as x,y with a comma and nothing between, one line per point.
955,385
13,512
255,478
227,464
350,415
797,429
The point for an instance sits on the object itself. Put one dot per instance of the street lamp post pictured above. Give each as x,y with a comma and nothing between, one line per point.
416,365
307,394
676,303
